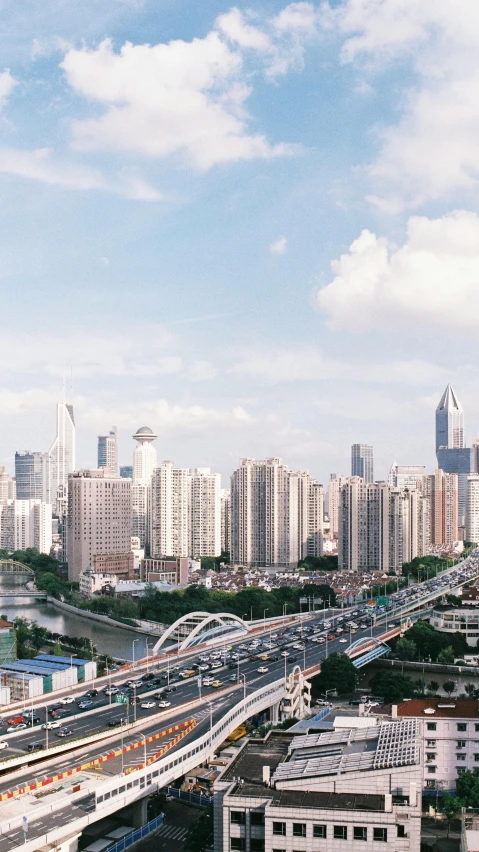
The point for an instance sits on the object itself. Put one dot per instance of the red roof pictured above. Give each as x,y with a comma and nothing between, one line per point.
444,708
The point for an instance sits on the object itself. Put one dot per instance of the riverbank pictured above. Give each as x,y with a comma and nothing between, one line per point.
103,619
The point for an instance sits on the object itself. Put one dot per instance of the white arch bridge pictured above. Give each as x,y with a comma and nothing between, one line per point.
198,627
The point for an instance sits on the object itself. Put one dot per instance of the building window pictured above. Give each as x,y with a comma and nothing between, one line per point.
401,829
476,757
299,829
256,845
238,843
431,785
460,744
238,817
461,770
279,828
380,834
476,726
257,818
340,832
431,743
431,770
460,756
360,832
431,726
319,831
430,755
461,726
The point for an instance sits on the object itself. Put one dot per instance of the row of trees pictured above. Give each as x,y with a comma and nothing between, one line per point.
423,642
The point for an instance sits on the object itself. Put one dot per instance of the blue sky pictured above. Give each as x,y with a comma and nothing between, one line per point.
252,228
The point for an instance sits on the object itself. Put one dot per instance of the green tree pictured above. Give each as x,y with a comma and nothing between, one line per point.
449,686
433,686
392,686
470,690
337,672
57,649
200,833
406,649
467,789
208,563
446,656
451,808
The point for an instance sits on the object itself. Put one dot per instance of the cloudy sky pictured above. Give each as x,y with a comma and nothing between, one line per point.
251,227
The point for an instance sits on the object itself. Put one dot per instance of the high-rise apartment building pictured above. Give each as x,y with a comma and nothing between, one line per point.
169,515
380,527
334,487
362,462
442,491
450,421
276,515
108,452
225,520
61,459
204,509
31,475
32,525
472,508
144,463
99,518
8,489
406,475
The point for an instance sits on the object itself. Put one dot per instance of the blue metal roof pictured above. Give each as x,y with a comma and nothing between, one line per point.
69,661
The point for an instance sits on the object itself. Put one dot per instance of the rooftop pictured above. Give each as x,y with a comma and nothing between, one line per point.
439,708
303,799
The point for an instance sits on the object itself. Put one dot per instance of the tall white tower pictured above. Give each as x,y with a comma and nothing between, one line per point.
449,421
144,463
61,458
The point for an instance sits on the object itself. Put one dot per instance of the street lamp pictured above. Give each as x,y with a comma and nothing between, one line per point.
264,618
244,686
133,644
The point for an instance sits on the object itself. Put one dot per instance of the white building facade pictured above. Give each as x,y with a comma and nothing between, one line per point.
472,508
144,463
61,459
204,499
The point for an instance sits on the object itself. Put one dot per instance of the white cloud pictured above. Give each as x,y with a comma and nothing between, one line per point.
279,247
430,282
32,400
167,417
202,371
7,84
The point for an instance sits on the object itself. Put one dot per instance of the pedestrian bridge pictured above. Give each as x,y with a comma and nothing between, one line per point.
195,628
9,567
364,650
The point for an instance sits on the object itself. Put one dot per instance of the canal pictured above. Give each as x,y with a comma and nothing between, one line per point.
108,640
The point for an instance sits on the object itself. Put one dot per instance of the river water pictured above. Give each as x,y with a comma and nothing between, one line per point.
108,640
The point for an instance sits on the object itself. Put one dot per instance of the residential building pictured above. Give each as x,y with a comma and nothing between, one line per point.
460,619
120,564
449,730
472,508
169,517
31,475
8,489
331,791
449,421
225,520
441,489
99,518
61,459
334,487
457,461
108,452
276,515
362,463
406,475
7,525
93,582
144,463
32,525
204,510
172,570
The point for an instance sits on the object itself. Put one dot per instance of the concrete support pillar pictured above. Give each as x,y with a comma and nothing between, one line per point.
140,813
274,713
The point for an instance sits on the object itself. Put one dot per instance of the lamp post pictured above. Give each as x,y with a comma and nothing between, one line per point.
264,618
244,686
133,645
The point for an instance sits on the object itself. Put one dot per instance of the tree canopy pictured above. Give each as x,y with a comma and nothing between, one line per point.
337,672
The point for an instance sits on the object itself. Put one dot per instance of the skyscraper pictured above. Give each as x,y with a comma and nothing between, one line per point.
442,491
204,499
31,473
61,459
362,462
472,509
449,421
169,519
108,452
144,463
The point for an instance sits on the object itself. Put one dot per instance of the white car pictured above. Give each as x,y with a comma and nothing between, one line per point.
163,704
285,653
343,640
262,670
207,681
50,725
216,665
147,705
69,699
3,744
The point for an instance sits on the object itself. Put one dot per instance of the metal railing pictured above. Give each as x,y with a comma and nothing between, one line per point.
202,800
136,835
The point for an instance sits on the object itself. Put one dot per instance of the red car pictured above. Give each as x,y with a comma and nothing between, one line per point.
331,637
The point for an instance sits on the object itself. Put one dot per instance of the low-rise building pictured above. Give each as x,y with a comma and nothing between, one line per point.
121,564
464,620
328,791
92,583
166,569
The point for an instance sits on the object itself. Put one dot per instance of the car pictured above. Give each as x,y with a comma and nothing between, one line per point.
233,678
285,653
61,712
204,667
35,746
262,670
17,727
321,640
112,690
147,705
274,658
92,693
50,725
138,682
208,681
163,704
85,704
372,704
114,723
293,659
343,641
331,636
3,745
355,702
320,702
149,676
64,732
15,720
217,683
216,665
68,699
254,658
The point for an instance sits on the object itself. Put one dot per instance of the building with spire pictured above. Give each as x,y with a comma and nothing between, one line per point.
452,454
144,463
61,459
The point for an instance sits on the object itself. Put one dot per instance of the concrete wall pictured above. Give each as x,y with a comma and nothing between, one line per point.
94,616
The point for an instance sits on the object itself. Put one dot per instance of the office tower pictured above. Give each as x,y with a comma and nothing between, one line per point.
406,475
449,421
108,452
457,460
362,462
442,491
380,527
126,471
334,486
7,486
472,509
204,501
32,525
144,462
31,475
99,518
225,520
276,515
169,516
61,459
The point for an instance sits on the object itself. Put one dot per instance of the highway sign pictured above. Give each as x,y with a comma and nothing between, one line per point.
121,699
25,824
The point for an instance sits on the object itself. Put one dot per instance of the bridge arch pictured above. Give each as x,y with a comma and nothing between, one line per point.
9,567
196,627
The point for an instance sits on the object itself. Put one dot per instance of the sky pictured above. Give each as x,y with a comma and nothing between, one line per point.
251,227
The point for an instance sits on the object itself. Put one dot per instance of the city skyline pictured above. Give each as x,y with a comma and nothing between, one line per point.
283,274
